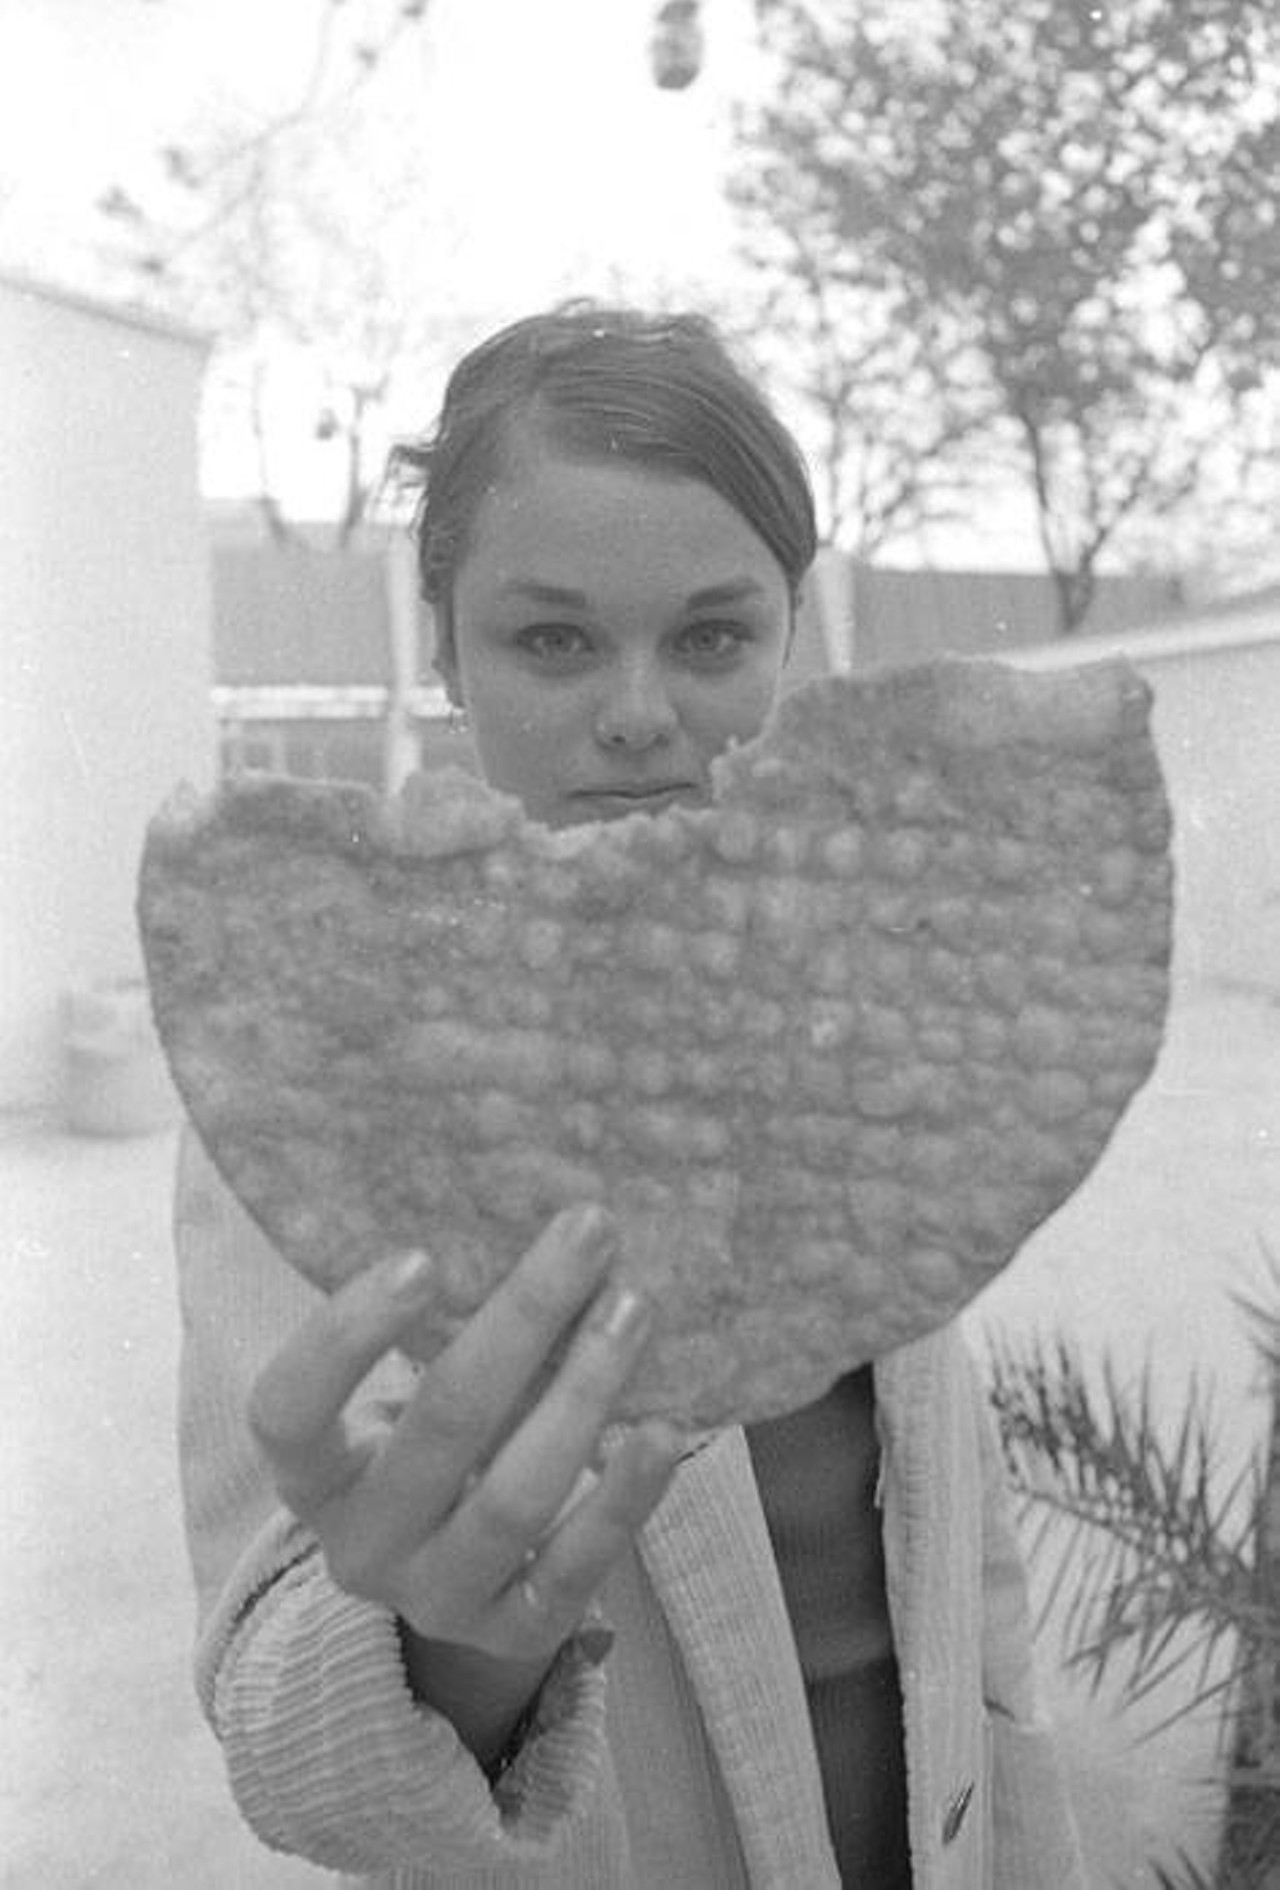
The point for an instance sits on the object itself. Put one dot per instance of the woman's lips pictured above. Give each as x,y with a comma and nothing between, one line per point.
605,803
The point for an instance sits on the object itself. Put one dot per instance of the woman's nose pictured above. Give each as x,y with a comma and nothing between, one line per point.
636,710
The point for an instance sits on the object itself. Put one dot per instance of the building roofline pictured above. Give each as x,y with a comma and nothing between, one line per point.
322,702
125,314
1189,635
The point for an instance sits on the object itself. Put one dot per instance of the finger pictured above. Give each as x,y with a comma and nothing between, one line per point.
550,1595
471,1393
527,1484
297,1406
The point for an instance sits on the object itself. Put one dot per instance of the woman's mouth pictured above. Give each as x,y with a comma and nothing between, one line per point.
605,803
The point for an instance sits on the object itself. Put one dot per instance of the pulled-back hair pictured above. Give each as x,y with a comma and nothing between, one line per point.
614,384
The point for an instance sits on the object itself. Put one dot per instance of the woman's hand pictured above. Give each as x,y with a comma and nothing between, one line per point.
454,1515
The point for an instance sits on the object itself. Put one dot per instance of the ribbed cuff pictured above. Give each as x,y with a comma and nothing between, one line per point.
330,1757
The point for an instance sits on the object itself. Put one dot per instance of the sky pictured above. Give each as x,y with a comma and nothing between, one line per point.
555,143
555,163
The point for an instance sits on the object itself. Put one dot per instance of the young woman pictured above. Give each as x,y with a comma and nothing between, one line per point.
456,1628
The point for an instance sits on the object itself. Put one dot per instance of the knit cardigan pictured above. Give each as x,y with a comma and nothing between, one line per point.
686,1760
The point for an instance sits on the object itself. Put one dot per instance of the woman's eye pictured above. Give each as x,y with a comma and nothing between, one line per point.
554,642
713,642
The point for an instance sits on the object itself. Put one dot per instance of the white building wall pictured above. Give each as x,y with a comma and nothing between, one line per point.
1151,1262
1216,720
105,644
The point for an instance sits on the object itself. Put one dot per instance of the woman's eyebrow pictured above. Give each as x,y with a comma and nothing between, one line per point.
736,591
540,593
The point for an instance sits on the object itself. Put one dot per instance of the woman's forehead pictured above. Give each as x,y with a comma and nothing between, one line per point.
551,514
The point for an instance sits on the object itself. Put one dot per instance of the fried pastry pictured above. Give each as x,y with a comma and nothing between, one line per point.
829,1049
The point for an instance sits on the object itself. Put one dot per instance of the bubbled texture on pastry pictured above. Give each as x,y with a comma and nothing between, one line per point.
829,1049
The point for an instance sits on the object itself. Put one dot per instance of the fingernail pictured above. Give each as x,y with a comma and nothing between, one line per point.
621,1315
590,1227
411,1274
593,1636
594,1641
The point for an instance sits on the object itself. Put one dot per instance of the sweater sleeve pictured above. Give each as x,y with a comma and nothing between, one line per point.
1034,1830
328,1754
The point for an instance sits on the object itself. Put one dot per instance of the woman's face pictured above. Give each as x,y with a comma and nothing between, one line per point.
614,630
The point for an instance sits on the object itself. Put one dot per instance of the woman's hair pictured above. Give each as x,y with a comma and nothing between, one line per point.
617,385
